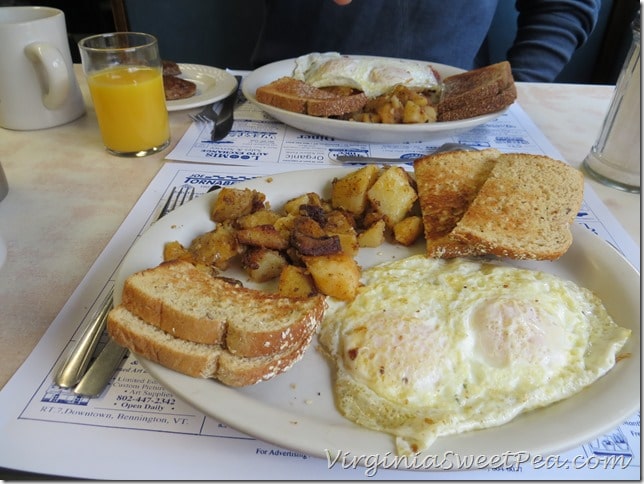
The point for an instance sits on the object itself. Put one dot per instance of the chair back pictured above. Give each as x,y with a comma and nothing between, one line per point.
219,33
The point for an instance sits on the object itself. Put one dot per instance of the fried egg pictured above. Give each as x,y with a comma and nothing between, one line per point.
373,76
434,347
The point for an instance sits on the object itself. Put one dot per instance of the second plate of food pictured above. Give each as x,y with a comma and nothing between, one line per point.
213,84
353,130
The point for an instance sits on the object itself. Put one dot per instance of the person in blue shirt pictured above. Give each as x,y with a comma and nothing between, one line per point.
449,32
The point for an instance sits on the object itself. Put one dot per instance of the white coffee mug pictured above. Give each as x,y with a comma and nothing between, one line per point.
38,88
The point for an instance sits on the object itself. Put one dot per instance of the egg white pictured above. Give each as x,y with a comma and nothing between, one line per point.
435,347
373,76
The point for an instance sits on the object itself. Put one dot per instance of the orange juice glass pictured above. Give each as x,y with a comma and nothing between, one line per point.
125,81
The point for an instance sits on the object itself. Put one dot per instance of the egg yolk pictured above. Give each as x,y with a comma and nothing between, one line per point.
509,331
400,358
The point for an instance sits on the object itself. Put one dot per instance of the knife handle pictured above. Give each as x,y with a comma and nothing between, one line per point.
101,371
76,363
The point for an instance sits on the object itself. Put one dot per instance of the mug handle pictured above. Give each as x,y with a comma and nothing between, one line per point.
52,73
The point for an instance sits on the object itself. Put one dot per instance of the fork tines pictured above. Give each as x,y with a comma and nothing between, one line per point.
178,198
201,118
206,115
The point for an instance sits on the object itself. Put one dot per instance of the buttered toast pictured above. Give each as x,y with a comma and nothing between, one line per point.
182,311
297,96
447,185
513,205
198,360
474,93
524,209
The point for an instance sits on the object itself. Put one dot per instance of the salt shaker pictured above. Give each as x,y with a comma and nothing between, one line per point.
615,158
4,185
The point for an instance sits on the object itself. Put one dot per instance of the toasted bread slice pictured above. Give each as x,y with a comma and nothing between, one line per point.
190,304
479,91
482,106
198,359
447,184
524,209
297,96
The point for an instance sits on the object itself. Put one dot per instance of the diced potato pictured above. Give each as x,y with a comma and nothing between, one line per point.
232,203
260,217
401,105
339,222
392,195
216,247
389,114
349,243
336,275
174,250
430,112
262,264
407,231
308,226
285,224
262,236
373,236
350,192
418,98
293,205
296,281
413,113
370,217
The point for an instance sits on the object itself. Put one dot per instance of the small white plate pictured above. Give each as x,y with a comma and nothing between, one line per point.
296,410
212,85
353,130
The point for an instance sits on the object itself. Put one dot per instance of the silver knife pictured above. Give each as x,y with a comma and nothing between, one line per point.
376,160
371,160
105,365
76,363
225,118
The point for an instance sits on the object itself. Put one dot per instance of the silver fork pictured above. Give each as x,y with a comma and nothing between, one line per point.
206,115
73,372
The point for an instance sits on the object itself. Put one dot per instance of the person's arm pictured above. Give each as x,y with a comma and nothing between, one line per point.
549,32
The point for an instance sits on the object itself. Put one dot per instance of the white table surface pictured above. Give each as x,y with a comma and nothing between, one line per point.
67,197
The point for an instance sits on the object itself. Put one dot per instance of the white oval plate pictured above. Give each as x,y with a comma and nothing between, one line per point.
295,410
353,130
213,84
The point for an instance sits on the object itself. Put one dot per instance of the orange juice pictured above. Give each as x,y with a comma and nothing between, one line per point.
130,107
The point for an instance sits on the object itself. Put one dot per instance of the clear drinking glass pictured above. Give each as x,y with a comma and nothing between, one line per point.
124,75
615,158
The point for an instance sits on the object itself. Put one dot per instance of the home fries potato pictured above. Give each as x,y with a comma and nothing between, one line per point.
309,244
